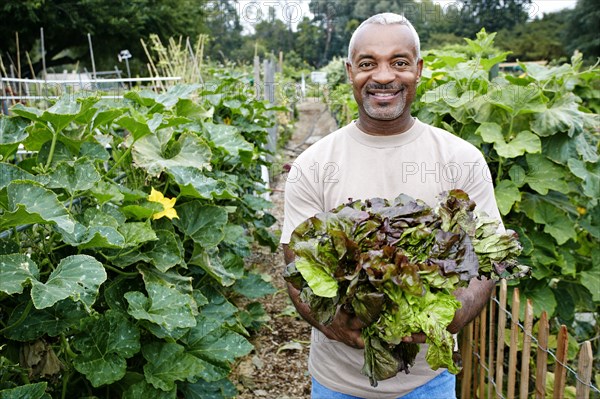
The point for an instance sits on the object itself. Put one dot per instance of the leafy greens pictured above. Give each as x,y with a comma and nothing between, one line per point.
395,265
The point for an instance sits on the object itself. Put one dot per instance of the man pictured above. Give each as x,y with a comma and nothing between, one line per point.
384,153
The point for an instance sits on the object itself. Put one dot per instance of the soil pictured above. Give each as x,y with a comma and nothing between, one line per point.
277,368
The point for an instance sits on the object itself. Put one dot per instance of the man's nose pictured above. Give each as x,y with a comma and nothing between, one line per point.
383,74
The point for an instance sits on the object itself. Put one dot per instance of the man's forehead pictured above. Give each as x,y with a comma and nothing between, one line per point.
374,37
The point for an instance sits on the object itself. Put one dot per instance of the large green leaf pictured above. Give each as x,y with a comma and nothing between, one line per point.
63,112
254,286
202,223
168,362
228,138
174,93
136,233
544,175
189,151
136,124
517,100
16,270
194,183
51,321
555,220
28,391
210,262
223,389
507,193
30,202
105,342
216,349
77,277
523,142
542,299
142,389
591,280
12,132
74,176
10,172
562,116
590,176
169,303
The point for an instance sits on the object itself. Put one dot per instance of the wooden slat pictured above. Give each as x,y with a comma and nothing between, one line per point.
526,356
492,329
467,360
542,357
584,371
500,347
476,349
560,372
482,344
514,345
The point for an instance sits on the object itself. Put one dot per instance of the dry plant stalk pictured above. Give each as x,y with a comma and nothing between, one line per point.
176,58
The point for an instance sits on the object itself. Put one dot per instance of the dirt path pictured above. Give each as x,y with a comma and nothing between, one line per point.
277,368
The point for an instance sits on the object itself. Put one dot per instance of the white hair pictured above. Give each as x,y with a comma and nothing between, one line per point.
386,18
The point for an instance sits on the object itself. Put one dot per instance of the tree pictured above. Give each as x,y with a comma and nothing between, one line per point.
540,39
493,15
582,30
308,43
114,25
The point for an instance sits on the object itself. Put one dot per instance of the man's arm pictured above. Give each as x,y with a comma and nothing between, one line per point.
344,327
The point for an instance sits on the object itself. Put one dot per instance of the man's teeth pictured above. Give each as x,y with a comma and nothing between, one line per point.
384,94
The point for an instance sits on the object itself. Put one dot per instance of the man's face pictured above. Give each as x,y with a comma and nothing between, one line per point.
384,71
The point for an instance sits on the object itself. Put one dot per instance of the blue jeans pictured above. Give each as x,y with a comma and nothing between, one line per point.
441,387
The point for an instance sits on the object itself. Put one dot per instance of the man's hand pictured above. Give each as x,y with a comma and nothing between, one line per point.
345,327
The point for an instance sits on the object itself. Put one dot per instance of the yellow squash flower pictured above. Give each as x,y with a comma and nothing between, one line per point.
167,203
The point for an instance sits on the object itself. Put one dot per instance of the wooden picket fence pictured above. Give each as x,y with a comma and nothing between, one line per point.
486,372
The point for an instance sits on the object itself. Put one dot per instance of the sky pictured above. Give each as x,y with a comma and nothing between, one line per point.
292,11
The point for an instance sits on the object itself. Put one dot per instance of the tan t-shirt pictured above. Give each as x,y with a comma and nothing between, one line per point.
350,164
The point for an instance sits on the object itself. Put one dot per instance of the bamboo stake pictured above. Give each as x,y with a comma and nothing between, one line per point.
500,347
560,373
18,62
584,370
525,358
482,343
514,345
30,65
152,67
542,357
492,327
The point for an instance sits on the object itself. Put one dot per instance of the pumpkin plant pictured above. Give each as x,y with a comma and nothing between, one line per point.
125,224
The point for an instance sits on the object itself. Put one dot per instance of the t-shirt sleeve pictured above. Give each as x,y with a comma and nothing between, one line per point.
301,202
478,183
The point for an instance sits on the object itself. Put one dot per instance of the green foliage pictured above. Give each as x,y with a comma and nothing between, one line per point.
130,291
539,135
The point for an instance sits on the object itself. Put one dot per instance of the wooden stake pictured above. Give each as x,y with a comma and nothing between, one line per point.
542,357
525,358
482,344
560,372
514,345
584,370
500,347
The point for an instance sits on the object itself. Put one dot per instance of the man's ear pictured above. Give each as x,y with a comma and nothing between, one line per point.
349,71
419,68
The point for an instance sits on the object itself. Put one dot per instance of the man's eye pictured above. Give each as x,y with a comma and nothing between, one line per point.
365,65
400,63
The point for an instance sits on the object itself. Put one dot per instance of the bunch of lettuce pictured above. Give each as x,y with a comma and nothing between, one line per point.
395,266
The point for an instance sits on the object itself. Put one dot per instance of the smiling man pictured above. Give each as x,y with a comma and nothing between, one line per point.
384,153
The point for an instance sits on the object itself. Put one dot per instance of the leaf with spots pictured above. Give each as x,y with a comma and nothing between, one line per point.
169,303
51,321
77,277
216,347
105,342
143,389
204,224
168,362
16,270
29,203
79,175
209,390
